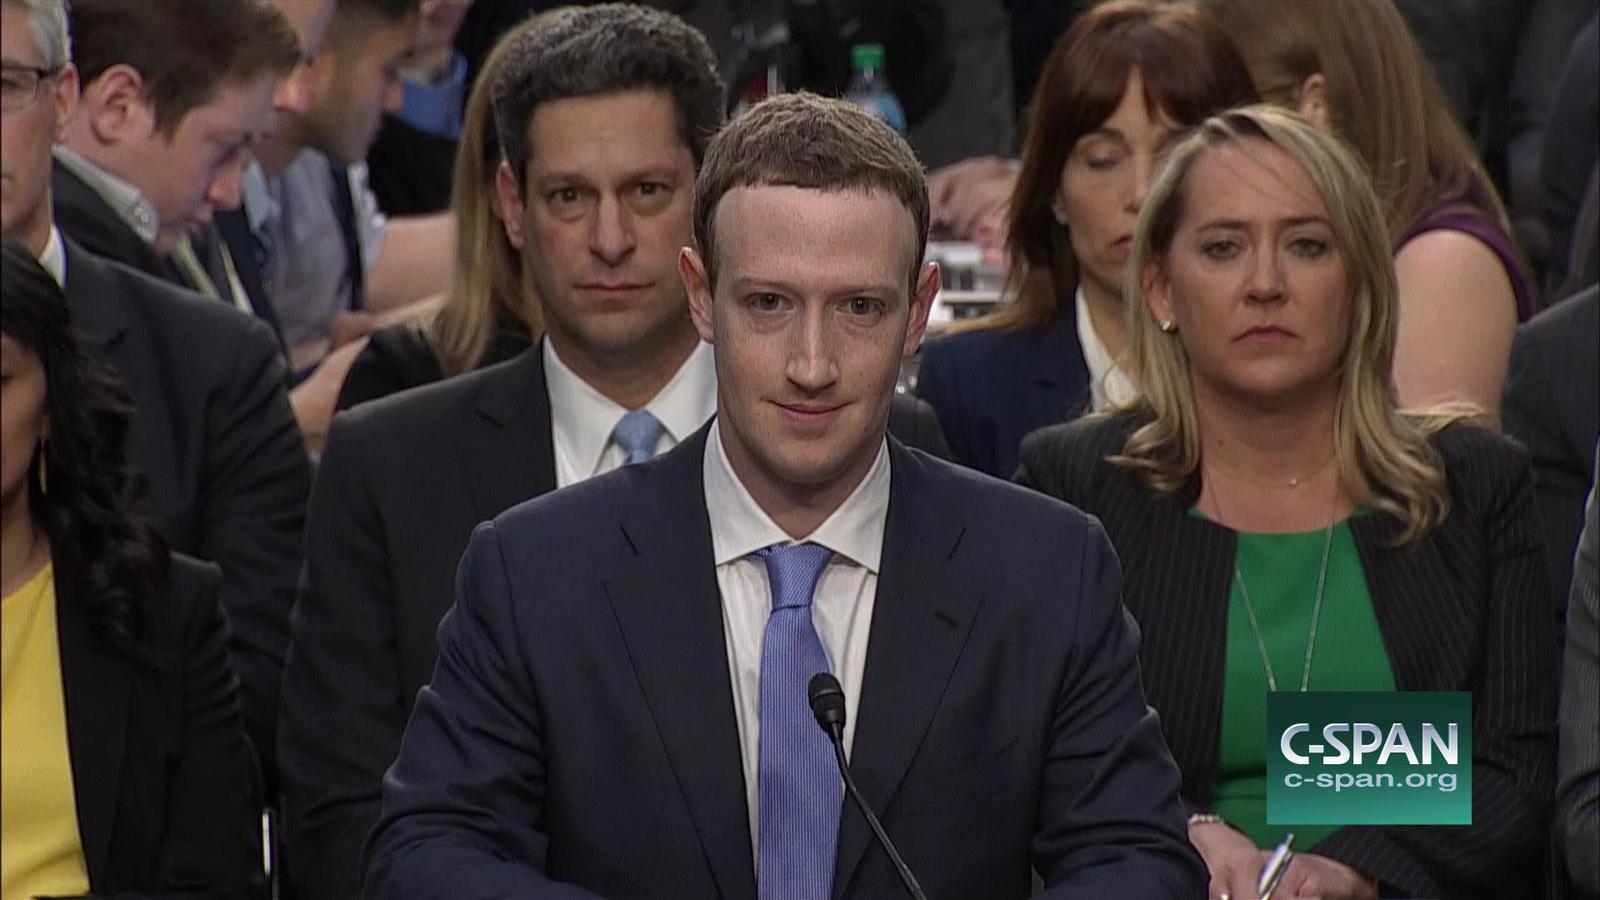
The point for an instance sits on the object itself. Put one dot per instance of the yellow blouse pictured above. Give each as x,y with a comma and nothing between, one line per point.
41,852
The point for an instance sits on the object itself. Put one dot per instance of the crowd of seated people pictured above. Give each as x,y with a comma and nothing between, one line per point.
299,293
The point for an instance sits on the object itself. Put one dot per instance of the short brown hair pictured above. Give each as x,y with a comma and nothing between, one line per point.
185,50
802,140
591,51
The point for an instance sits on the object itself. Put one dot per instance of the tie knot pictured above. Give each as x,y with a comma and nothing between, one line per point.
637,434
793,570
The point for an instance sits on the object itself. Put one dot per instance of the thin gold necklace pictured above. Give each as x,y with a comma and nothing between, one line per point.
1279,485
1316,609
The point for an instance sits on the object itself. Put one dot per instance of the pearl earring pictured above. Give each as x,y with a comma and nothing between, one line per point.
1169,326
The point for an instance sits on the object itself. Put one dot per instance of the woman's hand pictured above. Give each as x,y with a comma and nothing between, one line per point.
1233,860
1312,877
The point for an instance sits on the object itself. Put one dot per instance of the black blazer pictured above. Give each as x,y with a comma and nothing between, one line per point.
401,484
1552,405
579,733
398,357
991,388
212,428
1462,609
167,795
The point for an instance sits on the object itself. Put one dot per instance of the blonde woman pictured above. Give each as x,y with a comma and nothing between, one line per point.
490,314
1283,527
1354,69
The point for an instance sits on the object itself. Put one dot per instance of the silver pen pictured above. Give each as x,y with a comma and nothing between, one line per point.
1277,864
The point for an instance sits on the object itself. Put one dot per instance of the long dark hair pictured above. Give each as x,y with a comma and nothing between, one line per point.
1191,71
84,502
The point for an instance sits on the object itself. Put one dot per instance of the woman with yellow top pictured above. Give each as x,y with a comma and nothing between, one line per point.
124,769
1284,527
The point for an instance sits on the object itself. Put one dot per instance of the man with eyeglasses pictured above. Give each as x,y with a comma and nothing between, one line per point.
228,478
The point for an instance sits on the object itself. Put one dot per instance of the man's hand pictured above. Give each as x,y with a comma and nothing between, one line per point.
1312,877
314,399
963,194
348,326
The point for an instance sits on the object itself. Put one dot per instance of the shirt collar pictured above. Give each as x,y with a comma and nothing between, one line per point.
739,526
1109,386
54,257
127,201
588,417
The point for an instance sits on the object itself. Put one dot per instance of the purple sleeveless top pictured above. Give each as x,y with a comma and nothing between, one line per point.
1457,216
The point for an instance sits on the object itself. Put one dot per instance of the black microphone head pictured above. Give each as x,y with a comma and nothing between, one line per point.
827,701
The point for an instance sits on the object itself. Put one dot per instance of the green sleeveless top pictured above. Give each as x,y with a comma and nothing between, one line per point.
1280,573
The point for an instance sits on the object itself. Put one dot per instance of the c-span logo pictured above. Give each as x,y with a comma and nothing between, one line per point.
1348,758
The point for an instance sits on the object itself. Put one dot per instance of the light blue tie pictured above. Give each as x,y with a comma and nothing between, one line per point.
637,434
801,791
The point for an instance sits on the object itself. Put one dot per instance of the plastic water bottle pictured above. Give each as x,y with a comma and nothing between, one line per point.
869,88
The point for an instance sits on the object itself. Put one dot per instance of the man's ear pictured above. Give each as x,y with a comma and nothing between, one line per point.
508,203
696,283
1312,98
117,107
921,305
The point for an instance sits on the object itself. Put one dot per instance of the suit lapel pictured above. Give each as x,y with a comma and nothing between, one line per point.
665,596
509,454
1405,586
920,621
1059,368
95,682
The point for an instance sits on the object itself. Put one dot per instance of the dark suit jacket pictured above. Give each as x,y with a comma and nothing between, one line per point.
1577,817
579,732
212,428
382,548
1462,609
1552,405
990,388
167,797
399,357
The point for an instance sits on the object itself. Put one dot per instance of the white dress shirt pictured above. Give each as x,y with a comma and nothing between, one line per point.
841,606
54,257
582,418
1108,385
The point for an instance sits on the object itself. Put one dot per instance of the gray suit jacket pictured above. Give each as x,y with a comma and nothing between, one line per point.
1577,819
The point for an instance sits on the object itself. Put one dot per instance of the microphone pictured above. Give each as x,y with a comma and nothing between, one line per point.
827,704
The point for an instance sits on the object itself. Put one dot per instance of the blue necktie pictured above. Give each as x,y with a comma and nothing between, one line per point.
801,792
637,433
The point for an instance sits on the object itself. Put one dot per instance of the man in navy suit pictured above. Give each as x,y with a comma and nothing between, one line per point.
619,707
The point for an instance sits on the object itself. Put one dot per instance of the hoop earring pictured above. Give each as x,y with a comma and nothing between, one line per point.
1168,326
44,472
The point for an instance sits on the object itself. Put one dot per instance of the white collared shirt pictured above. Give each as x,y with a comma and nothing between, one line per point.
582,418
1109,385
127,201
54,257
841,606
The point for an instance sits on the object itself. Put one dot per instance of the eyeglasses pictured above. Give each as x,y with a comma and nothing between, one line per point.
19,85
